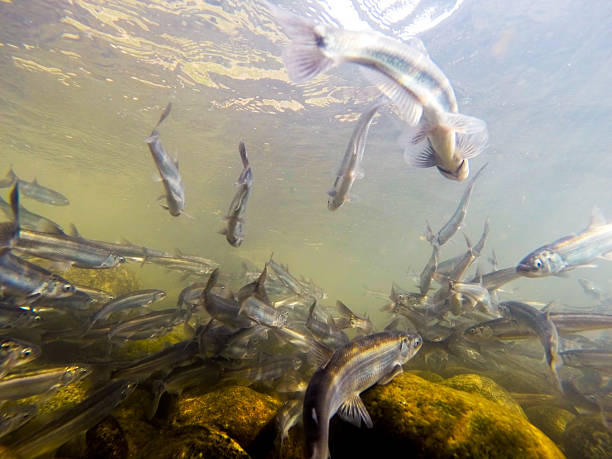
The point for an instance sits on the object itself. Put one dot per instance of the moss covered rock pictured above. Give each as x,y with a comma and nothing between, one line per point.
423,419
106,440
485,387
118,280
587,437
549,419
191,442
238,411
428,375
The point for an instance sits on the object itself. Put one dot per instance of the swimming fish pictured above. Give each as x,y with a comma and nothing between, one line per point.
34,190
454,223
234,232
570,252
542,325
350,169
168,170
404,73
353,368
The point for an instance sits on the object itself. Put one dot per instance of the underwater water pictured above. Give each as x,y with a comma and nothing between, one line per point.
83,82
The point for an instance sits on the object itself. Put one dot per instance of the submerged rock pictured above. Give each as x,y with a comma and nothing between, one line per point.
550,419
487,388
587,437
238,411
423,419
118,280
191,442
106,440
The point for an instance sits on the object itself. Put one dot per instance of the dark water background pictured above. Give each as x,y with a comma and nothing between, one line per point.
83,82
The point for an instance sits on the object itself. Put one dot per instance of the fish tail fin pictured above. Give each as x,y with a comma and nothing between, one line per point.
14,199
212,281
310,317
303,57
243,155
11,178
163,116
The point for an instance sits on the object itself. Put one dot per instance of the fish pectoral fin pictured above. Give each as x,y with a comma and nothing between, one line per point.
354,411
463,124
397,369
469,146
156,178
606,256
424,158
410,108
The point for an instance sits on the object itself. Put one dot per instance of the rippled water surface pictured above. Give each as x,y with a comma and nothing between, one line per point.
83,83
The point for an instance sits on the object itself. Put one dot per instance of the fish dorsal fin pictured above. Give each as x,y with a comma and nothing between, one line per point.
35,181
597,218
354,411
74,232
344,310
548,308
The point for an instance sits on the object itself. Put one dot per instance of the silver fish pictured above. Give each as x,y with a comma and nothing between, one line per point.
404,73
428,271
60,247
14,353
348,319
9,231
15,387
590,289
262,313
570,252
34,190
14,417
353,368
545,329
30,220
130,300
75,420
350,169
598,359
168,170
454,223
20,278
234,232
476,292
225,310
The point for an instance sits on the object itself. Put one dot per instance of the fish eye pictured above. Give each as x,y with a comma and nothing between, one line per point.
538,263
416,343
26,352
472,331
67,287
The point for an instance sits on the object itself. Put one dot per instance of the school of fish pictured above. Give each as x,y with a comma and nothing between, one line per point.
267,326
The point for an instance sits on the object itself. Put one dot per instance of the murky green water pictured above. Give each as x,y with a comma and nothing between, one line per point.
82,83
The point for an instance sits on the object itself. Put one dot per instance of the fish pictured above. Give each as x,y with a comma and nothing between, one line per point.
287,416
30,220
265,370
14,417
566,322
15,387
262,313
348,319
570,252
353,368
429,270
188,266
475,292
225,310
15,353
454,223
316,351
79,418
34,190
496,279
150,325
60,247
168,170
404,73
545,329
323,325
598,359
22,279
130,300
234,231
350,169
9,231
590,289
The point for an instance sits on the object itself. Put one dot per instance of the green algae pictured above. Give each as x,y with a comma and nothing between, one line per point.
238,411
550,419
485,387
118,280
587,437
433,420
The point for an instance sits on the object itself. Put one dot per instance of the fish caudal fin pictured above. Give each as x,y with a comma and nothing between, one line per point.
303,57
